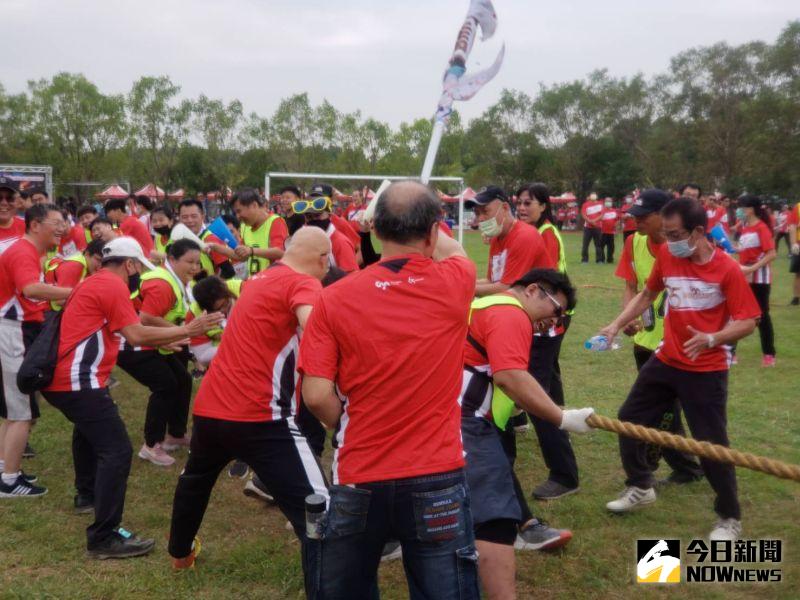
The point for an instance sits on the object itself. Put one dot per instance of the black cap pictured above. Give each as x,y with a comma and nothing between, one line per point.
649,201
320,189
8,184
487,195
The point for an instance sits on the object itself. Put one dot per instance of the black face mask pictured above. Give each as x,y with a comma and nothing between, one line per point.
321,223
163,230
133,282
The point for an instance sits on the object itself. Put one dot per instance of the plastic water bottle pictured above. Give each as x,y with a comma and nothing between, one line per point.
315,511
600,343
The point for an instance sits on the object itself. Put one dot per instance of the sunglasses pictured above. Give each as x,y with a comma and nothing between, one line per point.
7,197
556,304
314,204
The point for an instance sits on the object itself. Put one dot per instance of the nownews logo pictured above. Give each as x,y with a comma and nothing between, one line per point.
741,561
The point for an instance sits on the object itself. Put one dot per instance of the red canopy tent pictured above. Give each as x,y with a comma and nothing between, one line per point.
177,194
112,192
151,191
562,199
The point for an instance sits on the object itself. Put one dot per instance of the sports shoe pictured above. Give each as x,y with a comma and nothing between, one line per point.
28,477
520,422
187,562
679,478
121,544
632,497
29,452
238,469
83,504
538,535
726,530
392,550
768,360
255,489
795,301
172,443
551,490
21,488
156,455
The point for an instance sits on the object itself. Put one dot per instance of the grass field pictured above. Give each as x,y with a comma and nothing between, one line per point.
248,553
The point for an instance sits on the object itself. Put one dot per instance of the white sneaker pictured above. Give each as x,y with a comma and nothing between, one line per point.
156,455
632,497
726,530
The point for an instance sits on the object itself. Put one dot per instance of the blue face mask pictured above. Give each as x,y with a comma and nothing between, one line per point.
681,249
740,216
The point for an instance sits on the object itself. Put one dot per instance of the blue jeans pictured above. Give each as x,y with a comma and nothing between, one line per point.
429,516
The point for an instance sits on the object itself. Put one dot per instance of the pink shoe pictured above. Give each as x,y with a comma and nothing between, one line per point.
768,360
172,443
156,455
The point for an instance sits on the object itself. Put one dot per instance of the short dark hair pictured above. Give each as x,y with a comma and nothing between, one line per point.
209,290
231,220
164,210
191,202
95,248
553,281
291,188
85,210
403,215
691,212
246,196
116,204
144,201
690,185
24,194
38,213
180,247
105,220
42,192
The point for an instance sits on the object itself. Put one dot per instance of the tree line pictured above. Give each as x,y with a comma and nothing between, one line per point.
724,116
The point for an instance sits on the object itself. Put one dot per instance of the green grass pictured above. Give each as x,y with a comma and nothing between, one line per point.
248,553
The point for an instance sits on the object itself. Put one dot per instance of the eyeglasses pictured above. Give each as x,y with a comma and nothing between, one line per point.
314,204
556,304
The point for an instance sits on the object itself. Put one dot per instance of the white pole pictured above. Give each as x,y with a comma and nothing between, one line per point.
461,213
433,147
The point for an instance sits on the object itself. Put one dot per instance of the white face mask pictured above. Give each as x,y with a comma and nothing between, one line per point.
490,227
681,249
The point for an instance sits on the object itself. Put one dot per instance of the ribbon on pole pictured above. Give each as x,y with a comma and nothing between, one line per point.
456,85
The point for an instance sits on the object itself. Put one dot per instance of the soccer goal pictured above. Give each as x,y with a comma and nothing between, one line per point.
328,177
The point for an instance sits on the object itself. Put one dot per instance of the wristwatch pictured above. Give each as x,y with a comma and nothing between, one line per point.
710,340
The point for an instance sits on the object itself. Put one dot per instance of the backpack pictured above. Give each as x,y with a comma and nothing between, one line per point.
39,364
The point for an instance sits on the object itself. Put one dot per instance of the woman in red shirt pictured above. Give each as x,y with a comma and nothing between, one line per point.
756,252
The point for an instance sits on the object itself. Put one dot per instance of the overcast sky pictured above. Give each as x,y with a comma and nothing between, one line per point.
385,58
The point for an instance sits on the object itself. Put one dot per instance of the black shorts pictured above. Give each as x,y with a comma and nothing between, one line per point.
794,265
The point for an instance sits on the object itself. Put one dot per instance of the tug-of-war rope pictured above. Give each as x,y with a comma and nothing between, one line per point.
702,449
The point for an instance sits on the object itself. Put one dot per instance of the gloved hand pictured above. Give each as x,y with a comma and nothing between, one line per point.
574,420
796,248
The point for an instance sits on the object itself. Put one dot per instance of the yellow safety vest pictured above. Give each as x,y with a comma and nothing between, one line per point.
54,263
652,334
258,238
161,246
562,256
177,313
502,405
205,259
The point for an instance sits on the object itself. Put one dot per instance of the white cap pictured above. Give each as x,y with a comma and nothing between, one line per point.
126,247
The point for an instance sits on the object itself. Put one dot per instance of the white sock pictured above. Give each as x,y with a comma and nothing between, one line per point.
2,464
9,478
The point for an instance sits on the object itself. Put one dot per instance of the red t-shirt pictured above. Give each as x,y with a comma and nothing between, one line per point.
704,297
157,297
754,242
278,233
133,227
516,253
89,344
715,216
209,238
591,209
628,222
11,234
258,353
348,229
20,266
68,273
505,332
608,222
343,253
551,246
626,269
445,229
794,219
73,242
392,338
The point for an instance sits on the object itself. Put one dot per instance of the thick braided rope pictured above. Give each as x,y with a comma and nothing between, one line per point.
703,449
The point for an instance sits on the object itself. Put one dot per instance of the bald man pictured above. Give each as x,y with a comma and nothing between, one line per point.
247,403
